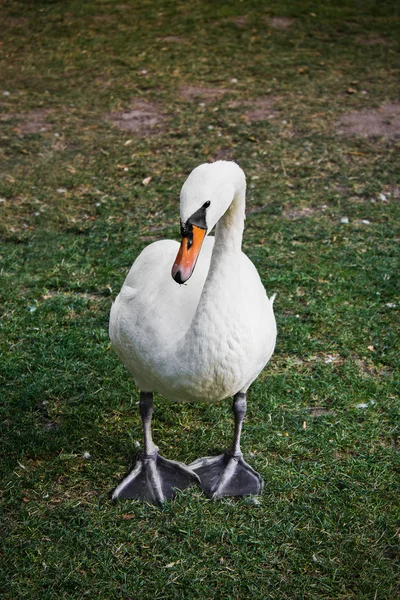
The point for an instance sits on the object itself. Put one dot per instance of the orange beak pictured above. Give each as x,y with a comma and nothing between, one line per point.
188,253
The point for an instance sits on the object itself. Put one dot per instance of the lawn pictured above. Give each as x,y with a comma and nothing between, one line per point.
105,109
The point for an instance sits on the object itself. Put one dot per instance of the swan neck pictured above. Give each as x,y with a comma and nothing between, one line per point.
229,229
217,309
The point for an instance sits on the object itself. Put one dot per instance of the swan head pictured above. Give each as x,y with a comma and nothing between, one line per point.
205,197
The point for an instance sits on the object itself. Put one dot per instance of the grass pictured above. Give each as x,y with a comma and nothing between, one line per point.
75,214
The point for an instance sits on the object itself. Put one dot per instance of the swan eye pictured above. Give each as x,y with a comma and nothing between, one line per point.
206,204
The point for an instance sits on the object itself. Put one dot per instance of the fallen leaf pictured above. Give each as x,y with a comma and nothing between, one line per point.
146,181
127,517
371,348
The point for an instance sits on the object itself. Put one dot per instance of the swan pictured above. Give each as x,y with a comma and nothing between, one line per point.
201,335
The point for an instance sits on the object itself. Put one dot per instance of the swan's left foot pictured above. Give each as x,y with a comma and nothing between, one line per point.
227,475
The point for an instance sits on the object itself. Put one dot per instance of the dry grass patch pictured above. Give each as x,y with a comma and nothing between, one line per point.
318,411
75,294
370,369
206,94
372,122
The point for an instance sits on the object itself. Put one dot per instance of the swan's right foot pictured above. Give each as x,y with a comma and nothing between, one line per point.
155,479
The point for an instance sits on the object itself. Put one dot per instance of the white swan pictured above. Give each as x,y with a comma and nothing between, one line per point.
202,341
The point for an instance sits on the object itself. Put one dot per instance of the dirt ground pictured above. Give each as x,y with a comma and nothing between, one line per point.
141,117
34,121
382,122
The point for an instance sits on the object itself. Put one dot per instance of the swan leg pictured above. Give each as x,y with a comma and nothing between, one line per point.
154,478
228,474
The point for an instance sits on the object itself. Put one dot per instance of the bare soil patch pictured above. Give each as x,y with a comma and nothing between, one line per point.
281,22
392,192
206,94
240,21
173,39
224,154
373,122
102,81
298,213
257,110
16,21
374,40
144,118
104,18
369,368
33,121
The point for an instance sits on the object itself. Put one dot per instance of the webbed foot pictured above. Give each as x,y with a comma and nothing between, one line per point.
155,479
227,475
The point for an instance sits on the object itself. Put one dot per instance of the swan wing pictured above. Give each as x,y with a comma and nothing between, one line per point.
152,312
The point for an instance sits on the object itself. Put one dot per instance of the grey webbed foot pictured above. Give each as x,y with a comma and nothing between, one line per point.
155,479
227,475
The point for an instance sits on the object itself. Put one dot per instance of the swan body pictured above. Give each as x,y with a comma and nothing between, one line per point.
208,339
202,341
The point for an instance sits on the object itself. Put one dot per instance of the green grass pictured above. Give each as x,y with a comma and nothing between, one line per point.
73,220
